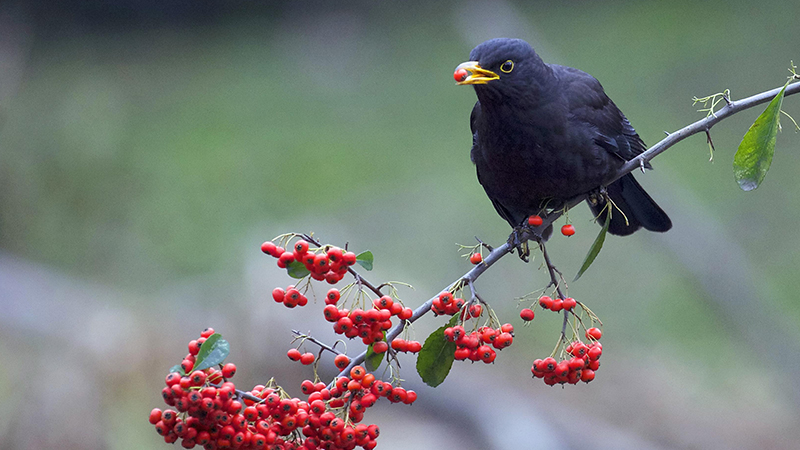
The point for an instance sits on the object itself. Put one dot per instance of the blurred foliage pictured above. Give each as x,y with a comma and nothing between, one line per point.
142,148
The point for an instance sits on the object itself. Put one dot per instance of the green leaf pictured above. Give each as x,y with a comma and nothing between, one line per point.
365,259
598,244
373,360
436,357
177,368
754,156
213,351
296,269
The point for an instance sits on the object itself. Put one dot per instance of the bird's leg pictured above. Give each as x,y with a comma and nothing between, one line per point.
515,239
520,236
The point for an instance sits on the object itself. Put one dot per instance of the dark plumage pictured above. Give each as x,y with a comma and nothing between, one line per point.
543,133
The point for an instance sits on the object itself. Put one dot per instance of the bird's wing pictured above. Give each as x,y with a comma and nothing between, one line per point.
473,126
475,154
589,104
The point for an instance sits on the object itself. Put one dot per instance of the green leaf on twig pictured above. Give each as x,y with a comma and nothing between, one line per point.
365,259
373,360
754,156
177,368
598,244
213,351
436,357
296,269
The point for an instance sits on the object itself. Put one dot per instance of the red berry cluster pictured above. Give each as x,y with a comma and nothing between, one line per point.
557,304
305,359
210,412
290,297
402,345
581,366
329,265
447,304
369,325
477,346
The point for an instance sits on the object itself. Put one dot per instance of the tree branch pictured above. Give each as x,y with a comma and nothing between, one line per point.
731,108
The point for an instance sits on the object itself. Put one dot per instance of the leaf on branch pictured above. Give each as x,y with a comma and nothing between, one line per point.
296,269
754,156
373,360
365,259
436,357
598,244
177,368
213,351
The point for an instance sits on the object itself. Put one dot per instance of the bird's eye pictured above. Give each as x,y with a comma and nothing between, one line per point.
507,66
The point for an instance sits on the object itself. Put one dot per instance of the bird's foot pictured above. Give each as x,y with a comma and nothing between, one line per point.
519,238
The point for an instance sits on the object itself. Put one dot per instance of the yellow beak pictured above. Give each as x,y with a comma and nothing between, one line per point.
477,74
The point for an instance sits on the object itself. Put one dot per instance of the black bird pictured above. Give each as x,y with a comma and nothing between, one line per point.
544,133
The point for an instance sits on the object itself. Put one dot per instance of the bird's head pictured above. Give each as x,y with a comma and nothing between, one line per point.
500,64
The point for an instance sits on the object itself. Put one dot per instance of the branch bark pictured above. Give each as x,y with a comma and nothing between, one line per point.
702,125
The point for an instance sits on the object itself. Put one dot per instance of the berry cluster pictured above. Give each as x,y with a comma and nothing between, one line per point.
557,304
566,230
207,410
327,263
290,297
305,359
477,345
447,304
369,324
580,366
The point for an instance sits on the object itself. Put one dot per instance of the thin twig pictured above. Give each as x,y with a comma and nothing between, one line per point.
731,108
359,279
316,341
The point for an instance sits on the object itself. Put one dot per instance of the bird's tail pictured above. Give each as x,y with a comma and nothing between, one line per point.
632,209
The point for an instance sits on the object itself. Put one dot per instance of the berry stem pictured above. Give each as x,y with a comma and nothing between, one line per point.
323,345
359,279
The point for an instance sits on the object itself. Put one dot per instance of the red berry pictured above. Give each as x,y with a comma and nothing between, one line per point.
414,346
568,230
155,416
380,347
400,345
341,361
587,375
358,372
557,305
207,333
527,314
475,310
569,303
278,294
307,359
595,353
545,302
332,297
286,258
534,221
198,377
293,354
460,75
229,370
384,302
349,258
475,258
301,247
268,248
594,333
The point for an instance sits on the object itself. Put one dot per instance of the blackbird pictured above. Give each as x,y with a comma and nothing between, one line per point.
544,133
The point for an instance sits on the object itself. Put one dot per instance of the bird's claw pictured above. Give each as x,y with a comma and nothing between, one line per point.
519,240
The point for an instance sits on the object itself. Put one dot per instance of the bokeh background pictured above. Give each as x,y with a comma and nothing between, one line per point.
148,148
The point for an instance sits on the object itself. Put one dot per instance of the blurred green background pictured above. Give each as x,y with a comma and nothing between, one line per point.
148,148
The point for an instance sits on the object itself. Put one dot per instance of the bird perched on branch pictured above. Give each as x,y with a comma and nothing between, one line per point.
544,133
